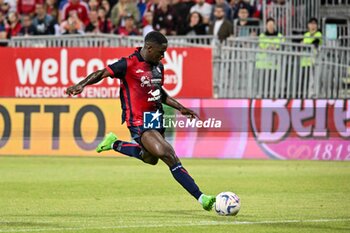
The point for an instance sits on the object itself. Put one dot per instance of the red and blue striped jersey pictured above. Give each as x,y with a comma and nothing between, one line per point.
140,87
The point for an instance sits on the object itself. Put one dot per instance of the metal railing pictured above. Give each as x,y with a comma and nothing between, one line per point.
254,28
293,16
246,67
335,2
100,40
333,73
344,41
339,8
246,70
303,10
335,30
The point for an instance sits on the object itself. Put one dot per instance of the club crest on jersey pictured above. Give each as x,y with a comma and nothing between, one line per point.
145,81
152,120
155,95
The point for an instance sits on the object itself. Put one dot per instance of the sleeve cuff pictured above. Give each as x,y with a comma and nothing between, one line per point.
110,70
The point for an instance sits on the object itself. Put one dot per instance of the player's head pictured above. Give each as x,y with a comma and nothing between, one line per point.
155,46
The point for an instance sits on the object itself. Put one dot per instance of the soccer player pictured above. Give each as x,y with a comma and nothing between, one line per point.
142,76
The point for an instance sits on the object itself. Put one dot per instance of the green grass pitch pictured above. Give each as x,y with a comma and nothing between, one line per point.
101,194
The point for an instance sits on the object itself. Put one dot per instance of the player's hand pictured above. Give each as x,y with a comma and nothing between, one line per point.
74,90
189,113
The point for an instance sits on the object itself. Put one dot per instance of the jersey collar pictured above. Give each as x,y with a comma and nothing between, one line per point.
138,54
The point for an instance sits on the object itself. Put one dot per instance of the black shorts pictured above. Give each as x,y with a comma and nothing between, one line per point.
137,131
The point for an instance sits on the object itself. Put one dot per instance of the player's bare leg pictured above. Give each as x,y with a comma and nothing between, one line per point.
157,146
149,158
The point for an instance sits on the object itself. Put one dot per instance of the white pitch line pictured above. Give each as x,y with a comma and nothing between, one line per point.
200,223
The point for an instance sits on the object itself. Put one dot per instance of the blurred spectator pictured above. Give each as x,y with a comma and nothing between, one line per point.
129,29
271,38
122,9
241,4
28,28
72,25
43,23
277,10
222,28
278,2
105,23
195,25
93,4
204,9
105,4
148,17
114,2
4,6
8,6
61,4
258,9
2,26
27,7
151,5
14,26
246,26
313,35
267,63
80,8
227,7
51,8
142,7
182,9
211,2
93,26
164,18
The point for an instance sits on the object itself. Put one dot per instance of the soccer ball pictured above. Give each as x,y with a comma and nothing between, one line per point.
227,204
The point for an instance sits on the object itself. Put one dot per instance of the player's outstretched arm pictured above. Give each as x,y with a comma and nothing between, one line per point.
92,78
170,101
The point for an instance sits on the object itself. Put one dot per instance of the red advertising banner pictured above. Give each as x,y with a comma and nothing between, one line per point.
47,72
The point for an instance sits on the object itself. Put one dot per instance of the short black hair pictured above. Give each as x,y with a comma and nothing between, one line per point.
313,20
243,8
270,19
156,37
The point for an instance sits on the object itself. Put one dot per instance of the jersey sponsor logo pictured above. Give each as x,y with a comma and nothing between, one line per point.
156,80
155,95
139,71
145,81
152,120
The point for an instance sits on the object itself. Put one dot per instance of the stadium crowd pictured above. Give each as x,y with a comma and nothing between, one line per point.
127,17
